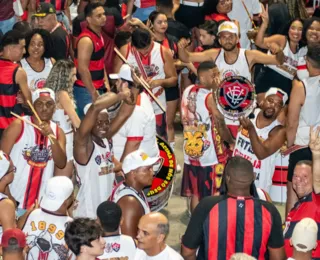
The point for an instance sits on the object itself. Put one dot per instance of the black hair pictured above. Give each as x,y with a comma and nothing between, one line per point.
141,38
90,7
313,55
211,27
239,165
23,27
12,37
81,232
122,38
286,28
206,65
153,16
109,214
48,45
306,25
165,4
13,246
210,7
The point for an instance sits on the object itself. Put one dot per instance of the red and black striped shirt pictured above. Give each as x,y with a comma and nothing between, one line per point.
60,5
96,65
8,93
224,225
306,207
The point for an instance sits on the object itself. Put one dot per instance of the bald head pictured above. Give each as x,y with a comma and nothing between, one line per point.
159,220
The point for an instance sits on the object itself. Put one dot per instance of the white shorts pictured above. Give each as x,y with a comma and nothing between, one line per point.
69,146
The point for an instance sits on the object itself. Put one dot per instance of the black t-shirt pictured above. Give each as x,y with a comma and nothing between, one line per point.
223,222
110,11
178,29
61,43
278,18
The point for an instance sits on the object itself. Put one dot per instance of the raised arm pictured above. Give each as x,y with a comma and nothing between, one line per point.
68,107
297,98
314,145
21,79
255,56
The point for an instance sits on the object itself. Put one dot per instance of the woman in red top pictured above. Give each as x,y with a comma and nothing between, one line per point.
217,10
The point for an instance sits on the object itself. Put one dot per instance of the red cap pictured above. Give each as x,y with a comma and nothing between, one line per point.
13,233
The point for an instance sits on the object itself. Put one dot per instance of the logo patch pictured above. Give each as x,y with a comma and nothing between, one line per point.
115,247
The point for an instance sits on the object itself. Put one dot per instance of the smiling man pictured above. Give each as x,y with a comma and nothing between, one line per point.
31,151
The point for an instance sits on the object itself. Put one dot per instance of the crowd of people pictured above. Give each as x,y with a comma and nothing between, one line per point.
90,92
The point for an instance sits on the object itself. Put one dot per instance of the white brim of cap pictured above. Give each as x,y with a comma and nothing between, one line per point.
114,76
51,205
228,30
148,162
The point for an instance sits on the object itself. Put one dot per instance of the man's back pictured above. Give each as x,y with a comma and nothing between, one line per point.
224,225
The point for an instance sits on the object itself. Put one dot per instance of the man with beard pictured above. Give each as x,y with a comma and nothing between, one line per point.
93,151
260,138
230,59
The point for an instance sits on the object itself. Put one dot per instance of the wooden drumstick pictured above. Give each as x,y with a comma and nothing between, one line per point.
141,81
28,122
37,116
245,7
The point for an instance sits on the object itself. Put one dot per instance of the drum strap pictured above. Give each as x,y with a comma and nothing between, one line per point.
139,62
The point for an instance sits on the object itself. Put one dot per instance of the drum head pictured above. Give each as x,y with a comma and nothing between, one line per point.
159,192
235,97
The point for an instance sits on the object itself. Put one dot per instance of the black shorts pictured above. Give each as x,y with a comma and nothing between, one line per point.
295,157
172,93
190,16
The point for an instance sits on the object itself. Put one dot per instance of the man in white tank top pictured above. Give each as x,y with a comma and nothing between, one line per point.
152,234
260,138
93,152
118,246
138,170
156,65
32,152
303,112
139,131
45,226
7,207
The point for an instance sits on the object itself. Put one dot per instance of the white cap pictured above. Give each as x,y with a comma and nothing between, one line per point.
227,26
4,163
58,189
86,108
305,233
279,92
124,73
136,160
42,92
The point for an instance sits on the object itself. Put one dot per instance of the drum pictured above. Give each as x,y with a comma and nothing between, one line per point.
235,97
278,191
160,191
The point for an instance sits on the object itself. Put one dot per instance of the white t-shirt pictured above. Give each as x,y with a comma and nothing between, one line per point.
167,254
239,13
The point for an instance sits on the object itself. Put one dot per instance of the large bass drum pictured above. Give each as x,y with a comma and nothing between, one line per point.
160,191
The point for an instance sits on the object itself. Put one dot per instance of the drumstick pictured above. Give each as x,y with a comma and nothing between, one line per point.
28,122
245,7
126,16
37,116
141,81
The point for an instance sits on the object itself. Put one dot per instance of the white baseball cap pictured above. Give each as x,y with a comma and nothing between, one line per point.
124,73
58,189
86,108
227,26
305,233
136,160
4,163
42,92
279,92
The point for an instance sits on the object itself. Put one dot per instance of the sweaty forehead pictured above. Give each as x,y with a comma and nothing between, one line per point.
275,98
103,116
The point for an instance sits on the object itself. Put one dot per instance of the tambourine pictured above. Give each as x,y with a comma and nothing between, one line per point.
235,97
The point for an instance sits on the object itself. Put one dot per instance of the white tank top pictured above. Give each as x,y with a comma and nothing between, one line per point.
289,68
310,111
45,235
61,118
119,247
198,146
122,190
239,68
153,65
95,179
32,156
302,71
36,79
2,197
264,169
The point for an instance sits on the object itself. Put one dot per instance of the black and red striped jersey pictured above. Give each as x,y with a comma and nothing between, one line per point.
59,5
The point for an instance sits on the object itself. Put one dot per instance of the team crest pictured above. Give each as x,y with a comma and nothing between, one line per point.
115,247
98,159
37,157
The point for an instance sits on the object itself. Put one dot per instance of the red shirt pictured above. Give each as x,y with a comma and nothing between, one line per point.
307,207
217,17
